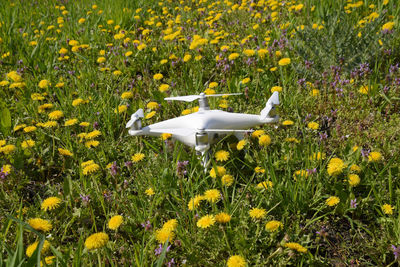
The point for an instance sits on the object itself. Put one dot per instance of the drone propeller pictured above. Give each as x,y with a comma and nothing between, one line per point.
135,116
271,103
190,98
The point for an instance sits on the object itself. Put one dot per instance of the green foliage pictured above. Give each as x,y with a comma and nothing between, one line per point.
349,87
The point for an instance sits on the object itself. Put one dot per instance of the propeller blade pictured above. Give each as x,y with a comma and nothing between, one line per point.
272,101
224,94
190,98
187,98
177,131
227,131
134,117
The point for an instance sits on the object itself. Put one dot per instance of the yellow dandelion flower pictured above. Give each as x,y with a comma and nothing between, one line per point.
87,163
158,76
163,87
264,140
212,85
49,260
70,122
55,115
284,61
257,213
45,107
212,195
84,124
7,149
257,133
296,246
29,129
152,105
265,185
220,171
276,89
63,50
364,90
13,75
137,157
121,109
332,201
222,155
170,225
149,192
126,95
150,115
117,73
4,83
387,209
245,80
44,84
93,134
222,217
115,222
17,128
6,168
77,102
162,235
241,144
335,166
97,240
233,56
206,221
249,52
101,60
195,202
227,180
236,261
317,156
50,124
313,125
374,156
92,143
165,136
32,247
272,226
37,97
258,169
355,168
27,144
354,180
50,203
187,57
287,123
92,168
40,224
388,26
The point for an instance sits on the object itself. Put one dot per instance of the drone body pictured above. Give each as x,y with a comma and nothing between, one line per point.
205,127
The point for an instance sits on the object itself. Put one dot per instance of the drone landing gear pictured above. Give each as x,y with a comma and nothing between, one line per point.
205,158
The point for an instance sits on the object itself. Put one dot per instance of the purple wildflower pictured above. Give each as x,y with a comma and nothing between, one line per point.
114,169
181,167
85,199
396,251
353,203
146,225
171,262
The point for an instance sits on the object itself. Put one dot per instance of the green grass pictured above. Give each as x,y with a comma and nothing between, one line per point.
334,61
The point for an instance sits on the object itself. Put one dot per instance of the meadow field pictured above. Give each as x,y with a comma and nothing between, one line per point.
319,188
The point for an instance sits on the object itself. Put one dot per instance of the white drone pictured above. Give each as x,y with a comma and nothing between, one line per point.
205,127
